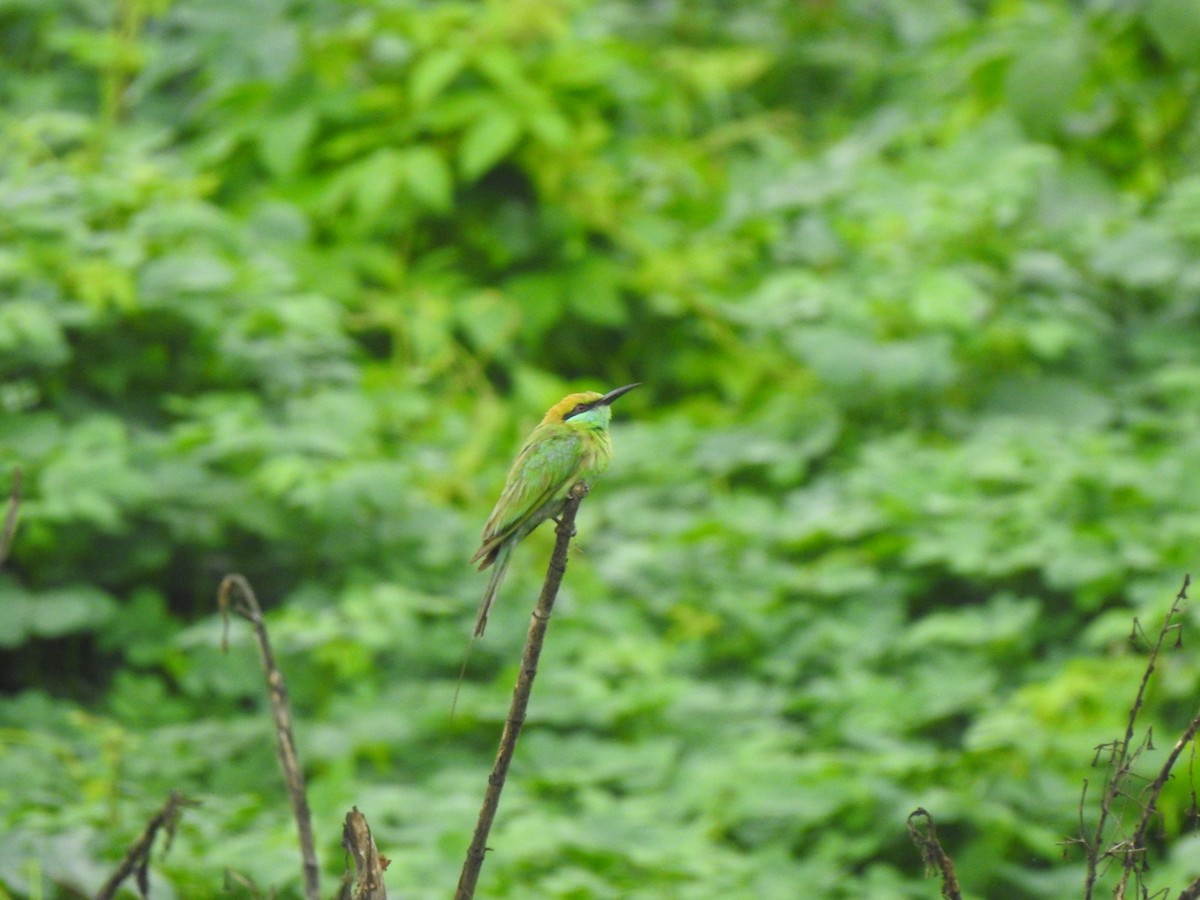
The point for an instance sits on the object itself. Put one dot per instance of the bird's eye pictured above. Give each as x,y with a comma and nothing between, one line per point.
579,407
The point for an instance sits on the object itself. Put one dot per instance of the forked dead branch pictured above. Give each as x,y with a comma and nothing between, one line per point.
1129,801
1111,840
136,861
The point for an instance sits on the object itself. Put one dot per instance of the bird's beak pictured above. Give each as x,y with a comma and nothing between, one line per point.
613,395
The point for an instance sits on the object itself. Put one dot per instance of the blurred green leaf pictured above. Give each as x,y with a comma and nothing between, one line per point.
429,178
1043,81
1144,256
30,335
433,73
1175,26
488,141
284,139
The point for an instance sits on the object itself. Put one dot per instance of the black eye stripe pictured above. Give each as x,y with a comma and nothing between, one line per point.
579,407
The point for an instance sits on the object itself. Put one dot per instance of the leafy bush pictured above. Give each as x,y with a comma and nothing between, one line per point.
912,290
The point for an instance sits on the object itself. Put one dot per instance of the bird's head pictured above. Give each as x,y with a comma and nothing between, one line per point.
588,408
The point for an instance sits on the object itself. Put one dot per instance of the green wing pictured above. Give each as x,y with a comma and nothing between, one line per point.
544,468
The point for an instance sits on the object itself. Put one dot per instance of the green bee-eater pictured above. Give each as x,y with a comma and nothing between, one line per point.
570,446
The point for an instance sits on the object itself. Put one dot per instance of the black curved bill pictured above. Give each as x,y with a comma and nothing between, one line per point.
614,394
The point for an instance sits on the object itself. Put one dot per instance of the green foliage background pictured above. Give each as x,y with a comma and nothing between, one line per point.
913,288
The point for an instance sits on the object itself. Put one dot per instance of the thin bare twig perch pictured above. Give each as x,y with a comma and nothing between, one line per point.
1135,847
1119,796
1133,851
137,858
236,594
1122,755
932,853
10,516
520,701
368,864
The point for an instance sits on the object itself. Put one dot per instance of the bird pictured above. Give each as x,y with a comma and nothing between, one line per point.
569,447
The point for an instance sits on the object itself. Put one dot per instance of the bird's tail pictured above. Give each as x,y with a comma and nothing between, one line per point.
493,585
489,597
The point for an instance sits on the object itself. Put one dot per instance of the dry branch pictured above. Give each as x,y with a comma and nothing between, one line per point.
520,701
936,859
236,594
1136,846
1130,851
368,864
137,858
1191,892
